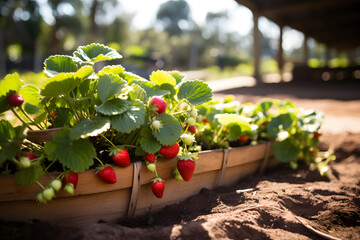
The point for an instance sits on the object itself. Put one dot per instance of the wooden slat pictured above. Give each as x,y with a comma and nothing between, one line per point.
107,206
238,156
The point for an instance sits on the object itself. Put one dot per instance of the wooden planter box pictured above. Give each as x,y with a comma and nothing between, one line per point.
131,196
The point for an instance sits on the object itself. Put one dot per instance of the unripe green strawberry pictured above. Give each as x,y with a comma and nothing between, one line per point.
151,167
69,188
191,121
56,184
188,139
177,175
156,124
40,198
193,113
48,193
25,162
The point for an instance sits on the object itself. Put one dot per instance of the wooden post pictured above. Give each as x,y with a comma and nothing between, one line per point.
280,57
256,47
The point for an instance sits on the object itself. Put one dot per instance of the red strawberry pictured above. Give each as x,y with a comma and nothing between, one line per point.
15,99
317,134
30,155
158,187
186,167
243,138
150,157
170,151
191,128
205,120
159,103
121,158
71,178
108,175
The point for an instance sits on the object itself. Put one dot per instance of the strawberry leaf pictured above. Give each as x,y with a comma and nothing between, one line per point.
264,106
109,85
57,64
129,76
11,82
280,122
77,155
89,128
195,91
286,151
148,142
131,119
11,140
138,93
113,107
150,88
27,176
170,130
177,75
310,121
115,69
96,52
30,94
160,77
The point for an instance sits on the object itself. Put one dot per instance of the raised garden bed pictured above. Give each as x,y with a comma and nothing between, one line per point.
95,200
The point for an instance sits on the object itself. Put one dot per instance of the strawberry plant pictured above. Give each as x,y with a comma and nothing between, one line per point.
112,116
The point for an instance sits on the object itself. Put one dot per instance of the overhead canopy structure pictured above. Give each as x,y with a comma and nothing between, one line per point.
336,23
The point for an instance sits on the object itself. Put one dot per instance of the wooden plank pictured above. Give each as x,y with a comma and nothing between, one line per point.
238,156
107,206
174,192
234,174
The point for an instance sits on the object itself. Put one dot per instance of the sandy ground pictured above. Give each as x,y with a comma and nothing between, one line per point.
282,203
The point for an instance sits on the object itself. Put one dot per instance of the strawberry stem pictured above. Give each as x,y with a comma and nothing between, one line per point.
102,164
30,119
108,140
20,118
38,183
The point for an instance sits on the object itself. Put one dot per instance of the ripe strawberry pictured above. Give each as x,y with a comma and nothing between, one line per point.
108,175
317,134
15,99
170,151
150,157
186,167
158,187
71,178
121,158
30,155
243,138
191,128
205,120
159,103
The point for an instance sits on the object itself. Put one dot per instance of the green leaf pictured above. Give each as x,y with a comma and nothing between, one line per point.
60,84
11,140
177,75
286,151
311,120
170,130
114,69
77,155
129,76
160,77
234,132
229,118
64,117
31,109
131,119
59,64
195,91
113,107
11,82
148,142
168,87
264,106
96,52
83,73
109,85
138,93
31,94
50,149
89,128
150,88
282,121
27,176
4,105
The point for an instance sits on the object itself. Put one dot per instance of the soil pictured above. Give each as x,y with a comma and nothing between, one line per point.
279,204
